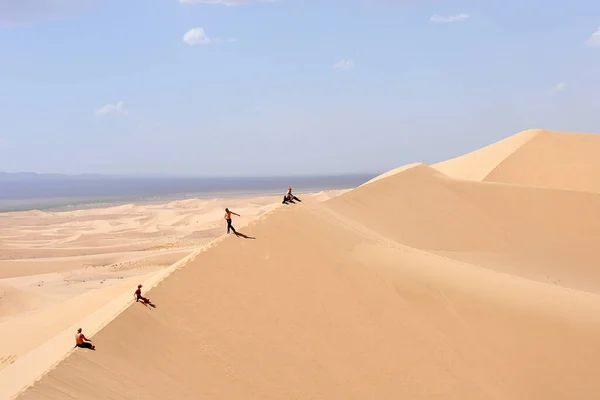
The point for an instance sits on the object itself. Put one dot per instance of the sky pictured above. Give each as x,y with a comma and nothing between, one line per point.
285,87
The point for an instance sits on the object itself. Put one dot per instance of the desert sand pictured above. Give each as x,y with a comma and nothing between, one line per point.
56,268
474,278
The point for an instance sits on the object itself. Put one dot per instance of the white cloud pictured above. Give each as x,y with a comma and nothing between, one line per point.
117,108
228,3
594,40
196,36
453,18
559,87
344,64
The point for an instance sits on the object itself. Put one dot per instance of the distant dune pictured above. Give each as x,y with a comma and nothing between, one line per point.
559,160
475,278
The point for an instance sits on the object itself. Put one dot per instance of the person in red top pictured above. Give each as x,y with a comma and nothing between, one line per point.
138,295
82,341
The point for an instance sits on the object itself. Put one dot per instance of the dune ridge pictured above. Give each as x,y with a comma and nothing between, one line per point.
535,157
462,280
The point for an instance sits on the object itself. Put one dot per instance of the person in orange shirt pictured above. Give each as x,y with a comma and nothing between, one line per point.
82,341
228,219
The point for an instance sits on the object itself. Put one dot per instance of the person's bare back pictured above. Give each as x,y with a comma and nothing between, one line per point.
82,341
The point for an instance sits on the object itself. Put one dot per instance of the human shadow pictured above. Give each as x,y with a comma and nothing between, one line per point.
86,345
238,234
146,303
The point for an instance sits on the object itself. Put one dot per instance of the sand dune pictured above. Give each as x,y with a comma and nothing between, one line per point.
332,312
475,283
537,233
56,271
560,160
15,301
478,164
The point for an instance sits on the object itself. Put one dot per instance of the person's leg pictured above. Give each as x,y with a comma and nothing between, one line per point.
295,198
229,226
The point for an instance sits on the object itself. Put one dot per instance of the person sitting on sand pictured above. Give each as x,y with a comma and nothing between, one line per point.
289,197
228,219
138,295
82,341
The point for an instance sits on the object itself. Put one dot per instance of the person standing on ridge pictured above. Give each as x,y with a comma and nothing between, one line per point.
228,219
82,341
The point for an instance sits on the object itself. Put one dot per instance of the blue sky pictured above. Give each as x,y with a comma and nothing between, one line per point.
285,87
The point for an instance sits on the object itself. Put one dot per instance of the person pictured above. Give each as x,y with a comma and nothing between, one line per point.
228,219
82,341
289,197
138,295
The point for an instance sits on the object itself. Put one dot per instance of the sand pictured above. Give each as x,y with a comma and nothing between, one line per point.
473,278
58,268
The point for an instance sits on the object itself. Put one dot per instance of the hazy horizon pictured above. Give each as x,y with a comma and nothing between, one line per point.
100,191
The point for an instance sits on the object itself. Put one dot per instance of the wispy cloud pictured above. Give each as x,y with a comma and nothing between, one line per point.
229,3
594,40
560,87
108,109
196,36
453,18
343,64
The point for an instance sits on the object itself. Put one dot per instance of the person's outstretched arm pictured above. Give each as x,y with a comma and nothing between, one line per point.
236,214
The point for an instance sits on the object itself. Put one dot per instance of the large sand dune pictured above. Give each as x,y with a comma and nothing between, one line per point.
538,233
57,268
475,283
560,160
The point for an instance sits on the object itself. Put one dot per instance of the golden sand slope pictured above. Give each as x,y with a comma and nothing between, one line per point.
57,268
538,233
369,296
560,160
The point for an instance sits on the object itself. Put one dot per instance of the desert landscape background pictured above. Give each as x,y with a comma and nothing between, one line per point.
58,267
473,278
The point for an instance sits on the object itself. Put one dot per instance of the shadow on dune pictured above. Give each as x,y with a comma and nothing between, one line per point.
147,304
86,346
238,234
